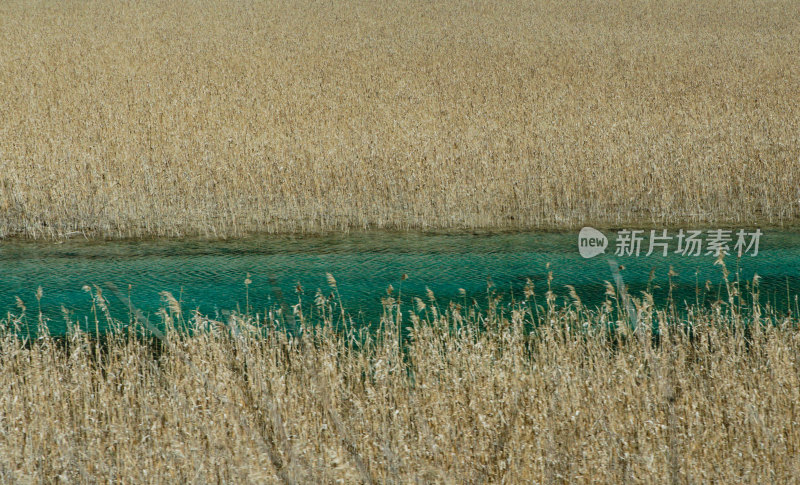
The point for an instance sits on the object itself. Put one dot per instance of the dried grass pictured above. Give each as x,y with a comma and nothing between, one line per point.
193,117
514,394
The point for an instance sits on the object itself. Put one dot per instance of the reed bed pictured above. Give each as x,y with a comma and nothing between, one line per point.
196,117
525,392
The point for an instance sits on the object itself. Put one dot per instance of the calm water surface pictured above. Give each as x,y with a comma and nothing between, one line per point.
209,276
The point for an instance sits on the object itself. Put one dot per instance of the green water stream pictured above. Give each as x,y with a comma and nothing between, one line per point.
209,276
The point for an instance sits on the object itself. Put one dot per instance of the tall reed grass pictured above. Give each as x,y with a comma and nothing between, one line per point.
526,392
198,117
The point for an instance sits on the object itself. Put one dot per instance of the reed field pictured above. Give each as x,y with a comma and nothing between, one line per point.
221,119
533,391
208,118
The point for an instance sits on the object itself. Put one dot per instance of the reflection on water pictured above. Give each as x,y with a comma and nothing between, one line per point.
209,276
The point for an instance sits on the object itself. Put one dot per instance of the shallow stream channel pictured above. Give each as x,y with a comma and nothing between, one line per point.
468,268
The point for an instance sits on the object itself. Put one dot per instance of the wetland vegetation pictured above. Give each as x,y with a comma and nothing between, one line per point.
149,120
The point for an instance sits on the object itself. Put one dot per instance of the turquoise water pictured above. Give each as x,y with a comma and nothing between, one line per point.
209,276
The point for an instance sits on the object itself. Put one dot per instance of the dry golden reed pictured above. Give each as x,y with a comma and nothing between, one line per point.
524,393
222,118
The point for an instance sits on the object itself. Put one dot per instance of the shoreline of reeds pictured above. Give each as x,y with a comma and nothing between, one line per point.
40,237
437,392
195,119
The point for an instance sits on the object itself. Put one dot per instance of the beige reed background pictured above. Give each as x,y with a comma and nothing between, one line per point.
192,117
471,395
